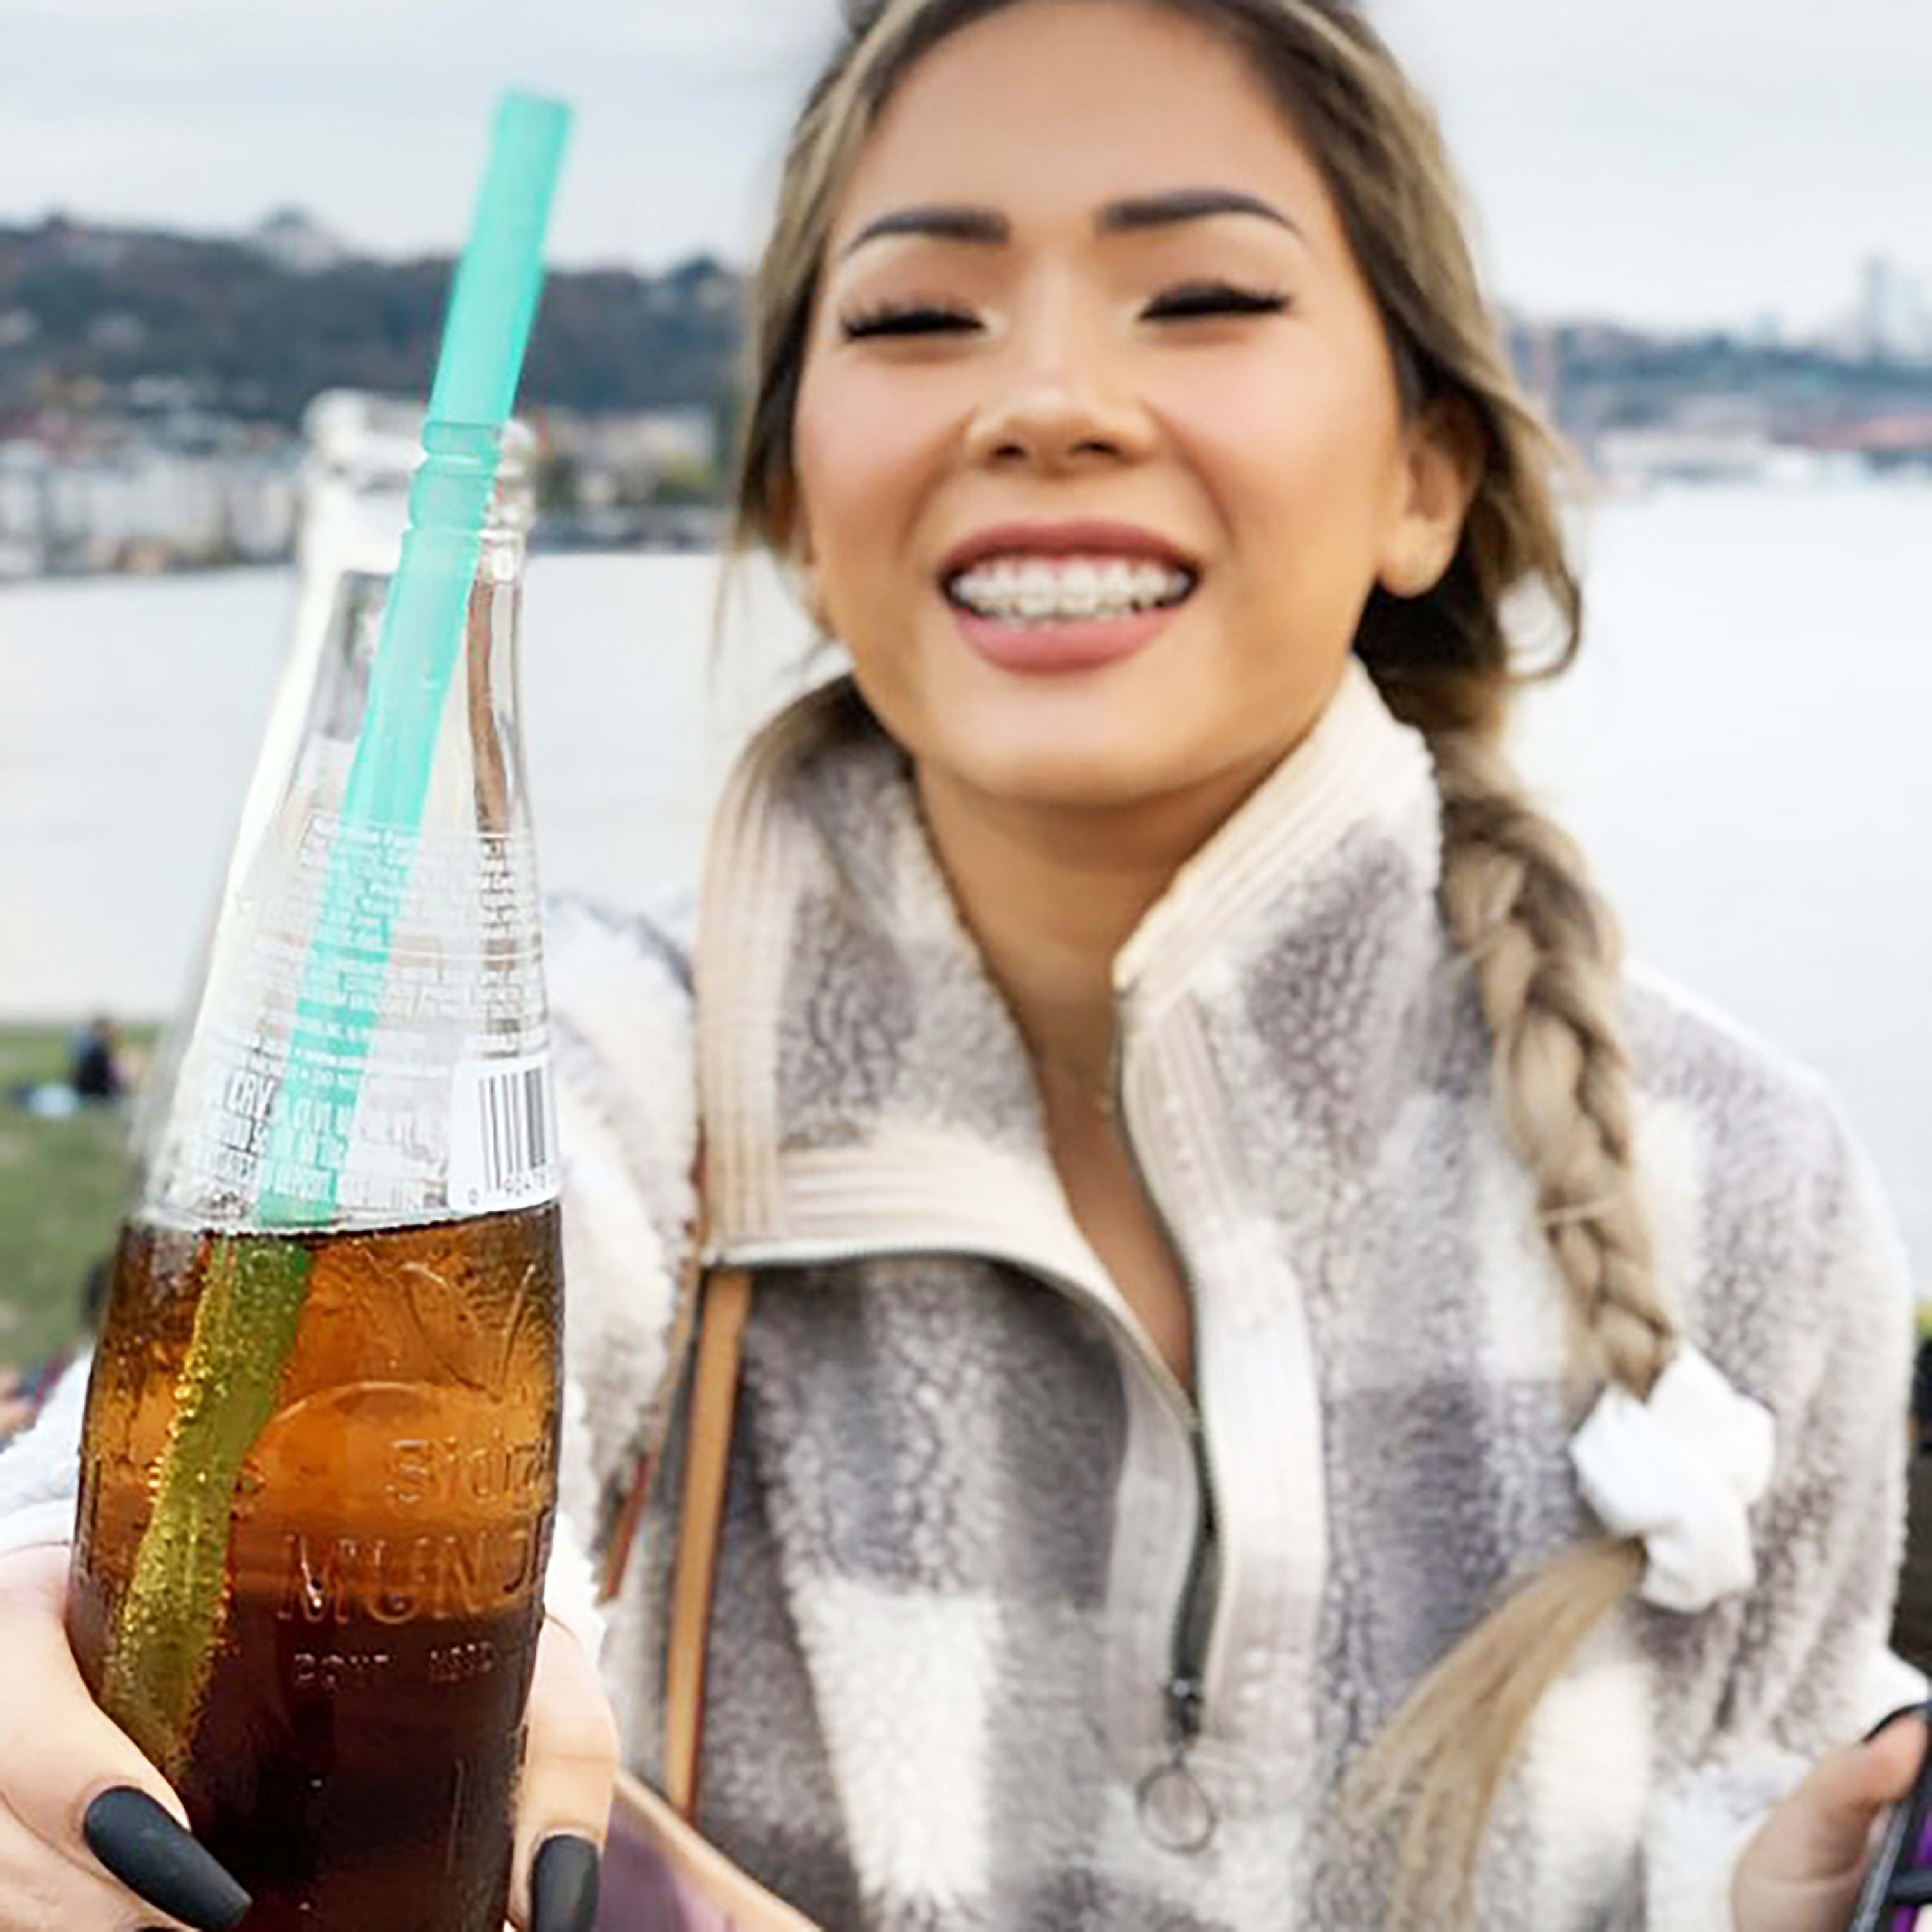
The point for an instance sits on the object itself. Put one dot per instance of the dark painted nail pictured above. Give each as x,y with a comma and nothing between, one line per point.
563,1886
150,1854
1886,1722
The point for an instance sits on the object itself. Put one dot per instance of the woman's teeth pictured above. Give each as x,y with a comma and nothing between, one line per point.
1037,590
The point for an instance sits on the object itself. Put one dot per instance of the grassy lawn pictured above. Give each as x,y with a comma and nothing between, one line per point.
62,1188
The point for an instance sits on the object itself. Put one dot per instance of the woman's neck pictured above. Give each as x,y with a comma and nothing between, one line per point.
1051,895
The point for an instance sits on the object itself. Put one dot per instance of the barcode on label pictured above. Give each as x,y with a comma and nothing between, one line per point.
502,1134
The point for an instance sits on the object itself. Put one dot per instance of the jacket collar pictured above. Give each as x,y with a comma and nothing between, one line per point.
864,1087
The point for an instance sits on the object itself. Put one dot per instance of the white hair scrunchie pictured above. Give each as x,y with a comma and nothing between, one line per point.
1682,1472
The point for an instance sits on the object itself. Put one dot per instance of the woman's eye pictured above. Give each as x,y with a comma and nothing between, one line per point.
907,319
1212,298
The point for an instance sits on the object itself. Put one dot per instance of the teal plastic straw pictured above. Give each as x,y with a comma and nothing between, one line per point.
500,276
493,304
250,1312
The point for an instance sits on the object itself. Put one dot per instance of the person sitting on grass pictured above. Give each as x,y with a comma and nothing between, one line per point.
94,1070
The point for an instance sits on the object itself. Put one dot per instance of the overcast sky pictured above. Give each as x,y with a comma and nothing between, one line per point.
1674,160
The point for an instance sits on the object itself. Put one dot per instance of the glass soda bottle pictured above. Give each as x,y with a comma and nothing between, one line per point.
318,1469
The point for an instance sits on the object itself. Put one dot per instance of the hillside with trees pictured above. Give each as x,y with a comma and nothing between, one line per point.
126,319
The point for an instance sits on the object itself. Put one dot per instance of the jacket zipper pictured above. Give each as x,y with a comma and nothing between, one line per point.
1175,1806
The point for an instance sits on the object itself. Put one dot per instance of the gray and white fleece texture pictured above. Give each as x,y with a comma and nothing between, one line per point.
964,1495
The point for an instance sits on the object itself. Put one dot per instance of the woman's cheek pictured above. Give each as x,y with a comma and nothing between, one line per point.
864,447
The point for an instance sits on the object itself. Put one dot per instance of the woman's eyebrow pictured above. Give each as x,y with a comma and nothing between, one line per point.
986,227
1188,204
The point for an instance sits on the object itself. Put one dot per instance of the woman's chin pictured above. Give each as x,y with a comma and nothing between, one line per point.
1097,738
1021,761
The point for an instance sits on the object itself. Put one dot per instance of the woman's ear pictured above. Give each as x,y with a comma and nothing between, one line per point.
1445,453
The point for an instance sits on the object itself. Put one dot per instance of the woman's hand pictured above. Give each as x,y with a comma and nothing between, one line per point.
1802,1871
91,1837
570,1769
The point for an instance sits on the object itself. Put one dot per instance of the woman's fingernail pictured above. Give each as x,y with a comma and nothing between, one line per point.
563,1885
144,1847
1913,1888
1886,1722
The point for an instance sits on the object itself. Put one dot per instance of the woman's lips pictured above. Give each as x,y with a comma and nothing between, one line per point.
1054,647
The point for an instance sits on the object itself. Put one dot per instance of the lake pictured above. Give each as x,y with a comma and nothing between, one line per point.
1742,748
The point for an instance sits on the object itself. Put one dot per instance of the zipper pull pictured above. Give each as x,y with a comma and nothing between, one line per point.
1173,1805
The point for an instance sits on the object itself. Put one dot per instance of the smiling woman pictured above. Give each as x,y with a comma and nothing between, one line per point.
1248,1371
1124,381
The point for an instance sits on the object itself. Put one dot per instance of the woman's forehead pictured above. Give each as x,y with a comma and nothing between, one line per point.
1052,110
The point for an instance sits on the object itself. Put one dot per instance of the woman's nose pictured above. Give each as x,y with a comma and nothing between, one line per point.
1061,398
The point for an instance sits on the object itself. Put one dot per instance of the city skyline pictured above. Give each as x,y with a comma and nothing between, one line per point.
1687,164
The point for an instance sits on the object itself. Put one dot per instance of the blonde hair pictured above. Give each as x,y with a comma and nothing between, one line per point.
1516,895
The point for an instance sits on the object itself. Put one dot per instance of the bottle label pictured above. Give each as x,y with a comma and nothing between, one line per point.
445,1103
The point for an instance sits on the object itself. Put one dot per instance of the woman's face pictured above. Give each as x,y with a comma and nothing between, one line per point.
1099,446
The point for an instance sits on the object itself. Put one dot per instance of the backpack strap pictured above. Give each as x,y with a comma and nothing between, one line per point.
714,1302
633,1493
726,1301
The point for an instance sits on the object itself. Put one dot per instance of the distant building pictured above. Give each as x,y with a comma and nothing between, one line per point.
296,242
610,460
1891,322
653,441
131,504
1904,441
23,511
1674,454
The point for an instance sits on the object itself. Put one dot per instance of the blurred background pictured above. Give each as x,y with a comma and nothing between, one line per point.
1704,223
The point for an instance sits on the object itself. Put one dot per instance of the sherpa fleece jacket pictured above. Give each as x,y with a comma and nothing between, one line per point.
1010,1631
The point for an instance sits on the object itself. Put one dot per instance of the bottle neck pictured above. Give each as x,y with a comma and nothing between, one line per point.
352,525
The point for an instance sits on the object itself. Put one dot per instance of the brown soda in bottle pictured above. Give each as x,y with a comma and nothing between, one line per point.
355,1756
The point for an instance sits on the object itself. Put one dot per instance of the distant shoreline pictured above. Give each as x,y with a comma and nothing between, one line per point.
658,531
